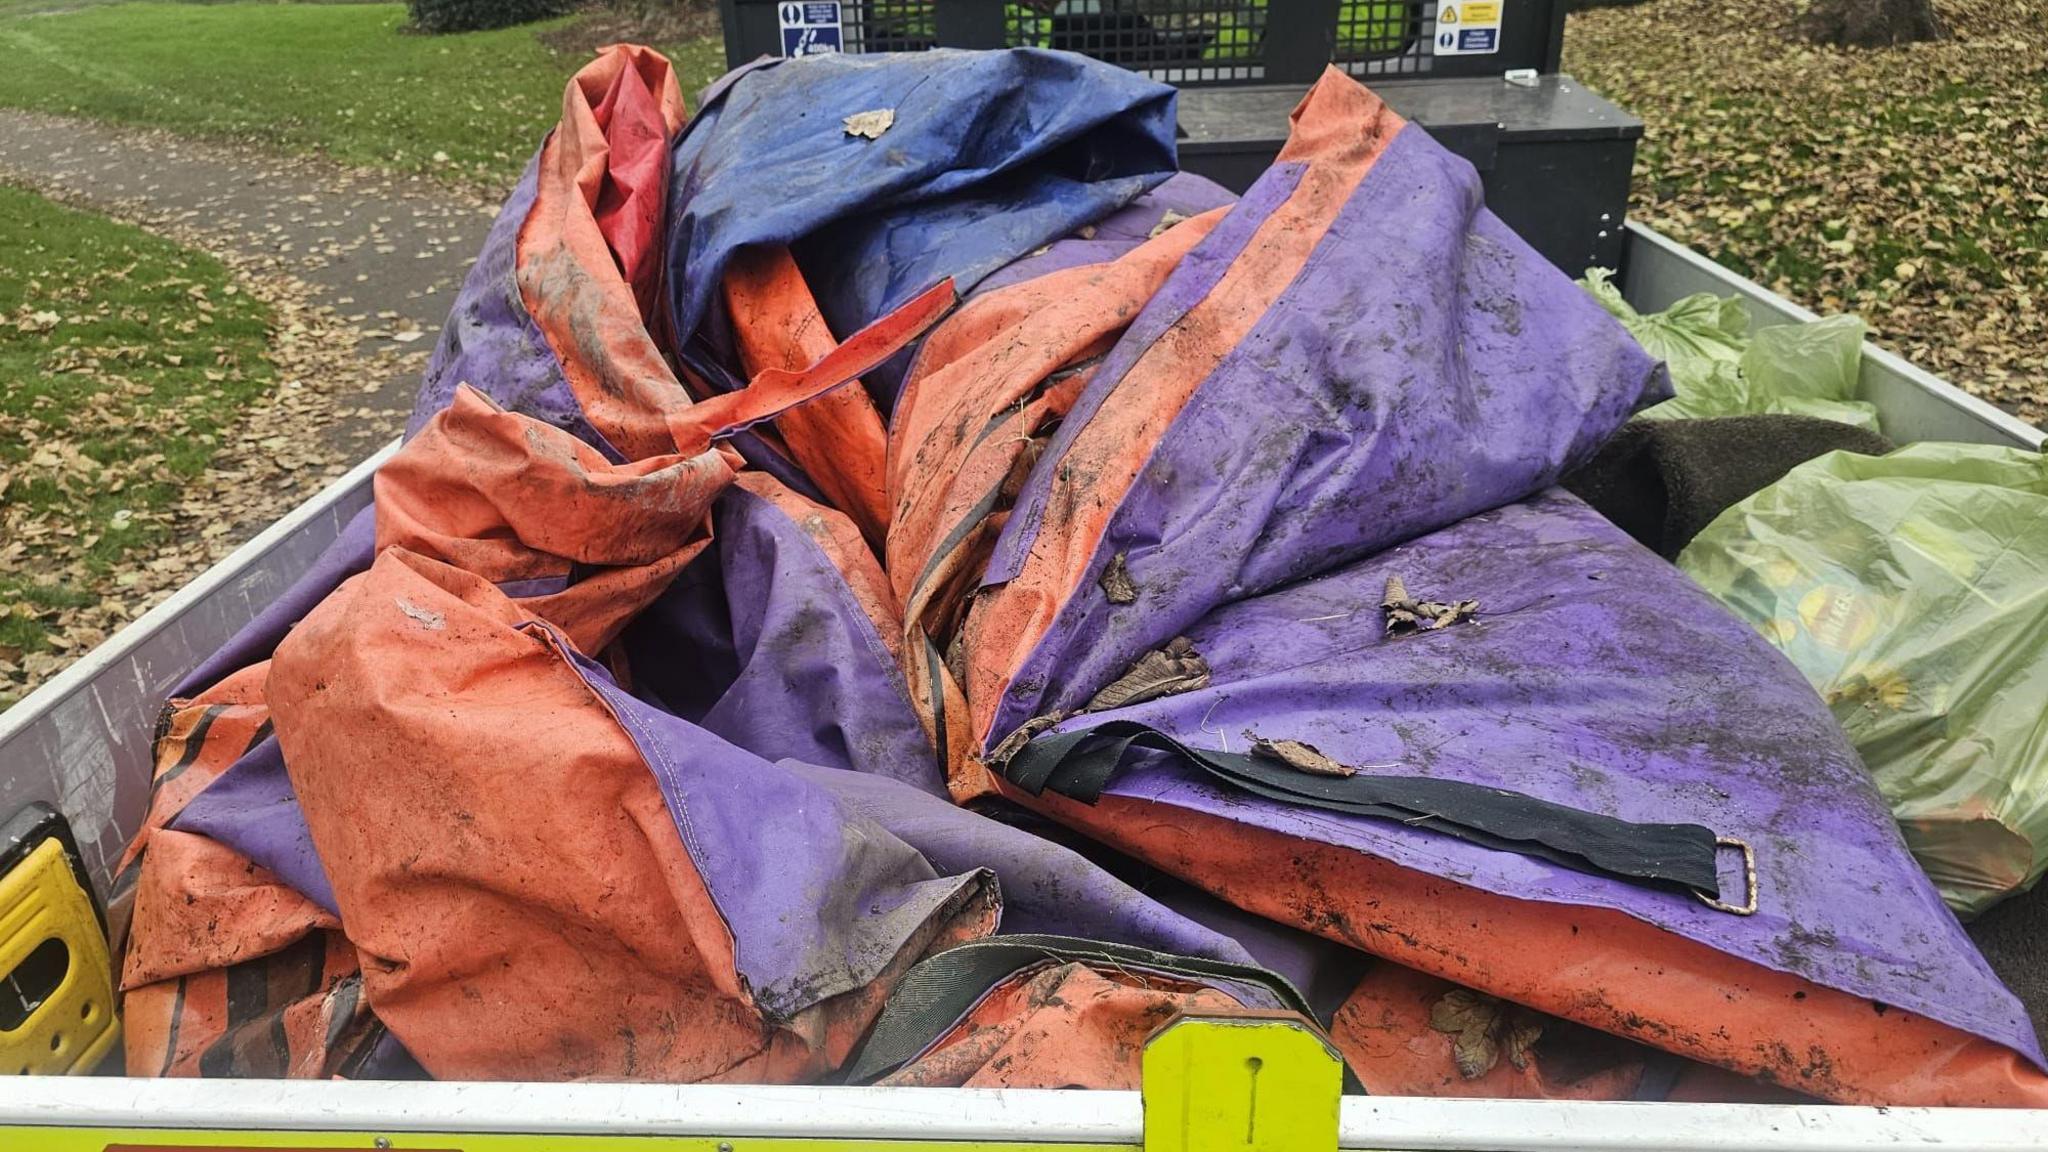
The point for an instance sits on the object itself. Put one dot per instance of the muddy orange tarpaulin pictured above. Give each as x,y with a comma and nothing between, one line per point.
741,607
609,900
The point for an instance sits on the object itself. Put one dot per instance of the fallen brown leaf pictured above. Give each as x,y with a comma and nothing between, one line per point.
1299,756
870,125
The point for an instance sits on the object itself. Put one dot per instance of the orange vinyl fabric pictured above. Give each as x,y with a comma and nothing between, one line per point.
1069,1025
224,970
838,439
1338,132
568,266
524,891
1593,966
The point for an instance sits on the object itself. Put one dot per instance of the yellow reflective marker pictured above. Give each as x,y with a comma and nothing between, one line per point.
1260,1083
56,981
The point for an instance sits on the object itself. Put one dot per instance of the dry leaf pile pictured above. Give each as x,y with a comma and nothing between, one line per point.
86,570
1909,186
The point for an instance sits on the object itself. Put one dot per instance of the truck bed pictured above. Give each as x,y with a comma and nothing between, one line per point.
82,743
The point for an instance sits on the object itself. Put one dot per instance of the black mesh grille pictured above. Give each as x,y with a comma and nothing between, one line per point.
1172,40
1191,42
1384,37
1218,41
889,25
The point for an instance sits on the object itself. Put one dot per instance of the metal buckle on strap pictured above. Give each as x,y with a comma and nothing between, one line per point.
1749,878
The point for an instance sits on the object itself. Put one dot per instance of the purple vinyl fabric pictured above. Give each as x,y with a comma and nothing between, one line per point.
1426,364
252,809
1046,888
761,642
349,554
819,898
1184,194
493,345
1597,676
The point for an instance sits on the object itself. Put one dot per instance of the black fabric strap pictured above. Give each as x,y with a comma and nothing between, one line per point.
942,988
1080,764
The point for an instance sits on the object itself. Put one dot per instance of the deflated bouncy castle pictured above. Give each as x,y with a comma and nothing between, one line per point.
888,581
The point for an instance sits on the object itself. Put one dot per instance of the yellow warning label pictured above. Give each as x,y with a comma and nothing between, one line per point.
1467,27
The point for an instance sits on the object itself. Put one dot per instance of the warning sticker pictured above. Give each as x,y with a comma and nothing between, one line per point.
1466,27
809,27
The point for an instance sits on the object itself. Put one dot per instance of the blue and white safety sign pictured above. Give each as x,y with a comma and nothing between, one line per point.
1465,27
809,27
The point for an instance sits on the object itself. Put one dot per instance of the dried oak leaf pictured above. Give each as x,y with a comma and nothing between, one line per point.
1018,738
1116,582
1525,1028
1174,668
1405,615
1468,1018
1300,756
1166,221
870,125
1481,1026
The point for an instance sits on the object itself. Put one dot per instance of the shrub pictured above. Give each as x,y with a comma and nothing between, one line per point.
478,15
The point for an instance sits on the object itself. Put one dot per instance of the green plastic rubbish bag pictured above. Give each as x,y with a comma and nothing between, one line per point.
1718,368
1912,590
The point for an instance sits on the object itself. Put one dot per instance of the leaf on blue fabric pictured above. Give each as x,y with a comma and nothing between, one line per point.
870,125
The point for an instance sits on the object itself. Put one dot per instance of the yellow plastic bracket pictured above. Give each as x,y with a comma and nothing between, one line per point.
1258,1083
72,1026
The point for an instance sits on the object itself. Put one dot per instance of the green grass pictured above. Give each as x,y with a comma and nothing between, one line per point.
122,356
343,79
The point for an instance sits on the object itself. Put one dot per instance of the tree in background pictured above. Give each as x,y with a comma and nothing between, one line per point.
1872,23
478,15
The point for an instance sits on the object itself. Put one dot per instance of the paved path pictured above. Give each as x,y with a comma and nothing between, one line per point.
387,253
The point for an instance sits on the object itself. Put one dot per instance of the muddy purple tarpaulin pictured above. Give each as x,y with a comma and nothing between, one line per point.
601,754
1594,674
